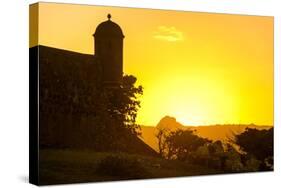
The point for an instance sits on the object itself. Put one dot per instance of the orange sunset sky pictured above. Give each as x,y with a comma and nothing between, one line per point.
200,68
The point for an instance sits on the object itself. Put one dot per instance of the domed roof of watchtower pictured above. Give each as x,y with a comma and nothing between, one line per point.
108,29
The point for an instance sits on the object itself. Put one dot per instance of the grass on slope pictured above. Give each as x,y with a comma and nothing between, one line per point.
59,166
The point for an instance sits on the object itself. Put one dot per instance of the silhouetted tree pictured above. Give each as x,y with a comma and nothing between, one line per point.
258,143
123,103
161,135
115,110
181,143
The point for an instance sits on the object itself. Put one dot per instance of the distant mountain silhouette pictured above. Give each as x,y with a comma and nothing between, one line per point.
213,132
169,123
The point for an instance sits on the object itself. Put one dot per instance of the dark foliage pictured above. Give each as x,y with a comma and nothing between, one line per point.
116,115
161,136
181,142
123,103
258,143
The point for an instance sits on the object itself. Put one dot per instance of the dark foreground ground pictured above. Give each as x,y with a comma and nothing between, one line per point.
73,166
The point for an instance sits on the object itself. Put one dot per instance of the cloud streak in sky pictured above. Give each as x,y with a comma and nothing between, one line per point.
170,34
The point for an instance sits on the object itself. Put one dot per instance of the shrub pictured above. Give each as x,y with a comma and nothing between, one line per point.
258,143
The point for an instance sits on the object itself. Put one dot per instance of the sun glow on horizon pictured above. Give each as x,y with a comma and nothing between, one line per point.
200,68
